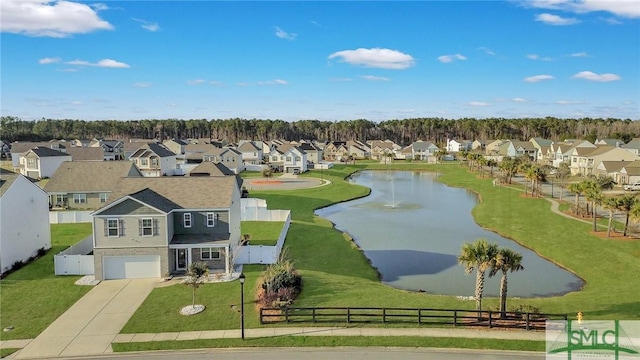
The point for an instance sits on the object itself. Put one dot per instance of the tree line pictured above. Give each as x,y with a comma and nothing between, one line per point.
403,131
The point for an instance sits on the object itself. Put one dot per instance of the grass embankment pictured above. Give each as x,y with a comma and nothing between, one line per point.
336,273
33,297
334,341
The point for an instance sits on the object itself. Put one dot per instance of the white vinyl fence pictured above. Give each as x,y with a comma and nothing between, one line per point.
74,260
256,210
66,217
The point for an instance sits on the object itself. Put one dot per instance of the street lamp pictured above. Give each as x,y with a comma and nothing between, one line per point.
242,305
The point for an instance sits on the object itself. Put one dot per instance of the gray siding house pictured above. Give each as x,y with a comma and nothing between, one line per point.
158,226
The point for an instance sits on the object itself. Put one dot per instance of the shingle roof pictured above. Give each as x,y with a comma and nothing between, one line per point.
211,169
156,200
203,192
6,179
47,152
89,176
86,153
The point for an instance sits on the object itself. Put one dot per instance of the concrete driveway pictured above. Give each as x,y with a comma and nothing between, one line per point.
91,324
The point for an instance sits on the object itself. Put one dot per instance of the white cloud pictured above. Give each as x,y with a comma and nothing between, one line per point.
196,82
537,57
316,23
375,78
47,60
568,102
216,83
104,63
551,19
285,35
591,76
340,79
375,57
76,102
273,82
99,6
537,78
478,103
142,84
622,8
48,18
242,84
520,100
487,50
580,54
406,111
151,26
451,58
69,70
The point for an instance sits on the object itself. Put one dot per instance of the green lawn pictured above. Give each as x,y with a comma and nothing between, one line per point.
336,273
262,232
33,297
331,341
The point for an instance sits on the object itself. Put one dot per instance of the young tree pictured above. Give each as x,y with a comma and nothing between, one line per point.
196,275
629,205
267,172
480,255
506,260
611,204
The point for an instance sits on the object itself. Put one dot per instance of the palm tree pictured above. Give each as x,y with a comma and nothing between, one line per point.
593,192
480,255
506,260
627,203
611,204
576,188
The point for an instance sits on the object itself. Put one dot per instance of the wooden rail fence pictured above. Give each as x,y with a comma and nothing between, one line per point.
455,317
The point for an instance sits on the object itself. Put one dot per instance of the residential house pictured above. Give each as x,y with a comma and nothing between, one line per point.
614,169
314,153
231,158
20,148
562,152
112,149
176,146
336,150
85,153
480,145
24,218
610,142
130,147
288,158
358,150
154,160
632,146
81,185
380,149
458,145
157,226
80,142
542,149
629,173
41,162
492,147
193,153
421,150
251,153
584,161
207,168
5,149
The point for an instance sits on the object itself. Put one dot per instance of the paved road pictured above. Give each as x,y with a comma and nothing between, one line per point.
329,353
91,324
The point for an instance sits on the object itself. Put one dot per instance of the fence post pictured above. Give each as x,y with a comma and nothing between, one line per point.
348,315
286,314
384,315
313,314
419,316
527,322
490,319
261,320
455,318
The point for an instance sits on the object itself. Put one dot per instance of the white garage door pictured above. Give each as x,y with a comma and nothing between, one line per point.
131,267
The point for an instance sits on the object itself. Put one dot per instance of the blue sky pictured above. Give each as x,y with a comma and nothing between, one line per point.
329,60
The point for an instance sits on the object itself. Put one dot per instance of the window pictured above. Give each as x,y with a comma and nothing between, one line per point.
297,158
274,158
31,162
113,228
288,158
144,162
186,220
154,162
79,198
211,219
209,254
103,197
146,227
60,200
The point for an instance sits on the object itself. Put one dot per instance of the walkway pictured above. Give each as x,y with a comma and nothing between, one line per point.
92,323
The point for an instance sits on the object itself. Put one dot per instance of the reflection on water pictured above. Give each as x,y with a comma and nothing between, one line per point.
412,227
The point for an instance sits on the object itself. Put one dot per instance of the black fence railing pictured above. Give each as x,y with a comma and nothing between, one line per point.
454,317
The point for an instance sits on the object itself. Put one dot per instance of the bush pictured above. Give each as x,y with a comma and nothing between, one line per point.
523,309
281,283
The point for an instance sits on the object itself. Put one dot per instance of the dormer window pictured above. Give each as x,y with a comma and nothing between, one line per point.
186,220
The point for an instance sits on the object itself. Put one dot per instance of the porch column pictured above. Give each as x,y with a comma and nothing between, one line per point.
189,260
227,261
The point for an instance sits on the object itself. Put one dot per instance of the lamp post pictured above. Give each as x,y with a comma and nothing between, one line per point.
242,305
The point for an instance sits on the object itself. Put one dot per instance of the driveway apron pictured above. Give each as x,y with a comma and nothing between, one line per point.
91,324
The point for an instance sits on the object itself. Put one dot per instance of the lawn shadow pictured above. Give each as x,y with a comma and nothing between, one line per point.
397,263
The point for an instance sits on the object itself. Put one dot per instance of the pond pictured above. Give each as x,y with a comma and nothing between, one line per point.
412,227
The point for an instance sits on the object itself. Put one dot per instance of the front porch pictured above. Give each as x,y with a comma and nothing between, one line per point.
186,249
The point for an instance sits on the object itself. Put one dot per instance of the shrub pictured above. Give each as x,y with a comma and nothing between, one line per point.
281,283
17,266
41,252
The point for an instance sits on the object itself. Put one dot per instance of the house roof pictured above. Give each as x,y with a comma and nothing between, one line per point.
86,153
524,144
211,169
178,141
47,152
541,141
611,166
158,149
89,176
248,147
199,148
155,200
6,179
135,145
22,147
198,192
589,152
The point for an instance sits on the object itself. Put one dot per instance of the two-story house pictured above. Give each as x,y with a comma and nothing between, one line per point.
111,149
584,161
157,226
231,158
41,162
79,185
420,150
154,160
251,153
176,146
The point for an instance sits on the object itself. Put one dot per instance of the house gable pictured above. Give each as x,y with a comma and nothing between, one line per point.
129,207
